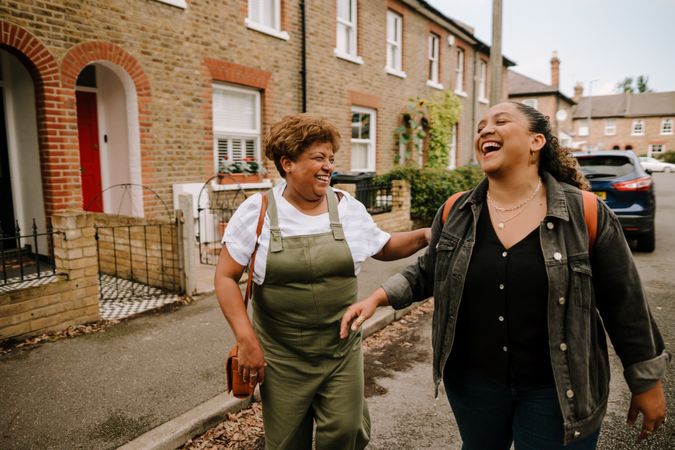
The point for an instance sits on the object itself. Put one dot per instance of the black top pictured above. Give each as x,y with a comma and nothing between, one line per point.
502,330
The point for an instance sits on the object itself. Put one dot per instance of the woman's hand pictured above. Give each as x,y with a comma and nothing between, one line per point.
251,361
652,404
359,312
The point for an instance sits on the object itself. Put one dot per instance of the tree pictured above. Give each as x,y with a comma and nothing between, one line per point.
641,85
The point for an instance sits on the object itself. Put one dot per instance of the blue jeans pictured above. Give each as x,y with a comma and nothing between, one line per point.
491,416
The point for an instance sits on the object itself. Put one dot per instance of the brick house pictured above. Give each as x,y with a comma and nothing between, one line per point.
154,92
640,122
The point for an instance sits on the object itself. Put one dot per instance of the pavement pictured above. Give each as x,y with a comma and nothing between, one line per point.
149,382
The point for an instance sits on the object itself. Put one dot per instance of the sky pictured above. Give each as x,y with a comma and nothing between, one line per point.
601,40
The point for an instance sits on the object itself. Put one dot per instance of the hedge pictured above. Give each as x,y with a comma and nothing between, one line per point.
431,187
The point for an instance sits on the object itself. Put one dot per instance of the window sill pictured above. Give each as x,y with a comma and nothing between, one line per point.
435,85
347,57
265,183
666,134
265,30
484,101
177,3
395,72
637,134
461,93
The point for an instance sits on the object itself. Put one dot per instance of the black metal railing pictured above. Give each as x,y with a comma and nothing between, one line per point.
137,260
377,198
26,256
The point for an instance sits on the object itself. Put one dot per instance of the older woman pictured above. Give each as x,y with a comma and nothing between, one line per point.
522,302
312,244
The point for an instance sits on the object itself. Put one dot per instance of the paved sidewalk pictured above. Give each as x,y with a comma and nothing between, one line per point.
148,382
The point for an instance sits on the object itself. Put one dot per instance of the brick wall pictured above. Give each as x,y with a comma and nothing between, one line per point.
624,137
172,56
70,299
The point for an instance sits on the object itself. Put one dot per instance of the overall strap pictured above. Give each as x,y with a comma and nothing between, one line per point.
333,215
275,231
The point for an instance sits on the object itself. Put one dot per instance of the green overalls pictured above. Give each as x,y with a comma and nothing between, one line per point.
311,374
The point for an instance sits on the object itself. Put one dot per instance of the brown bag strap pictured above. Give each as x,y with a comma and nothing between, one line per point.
590,216
251,266
448,205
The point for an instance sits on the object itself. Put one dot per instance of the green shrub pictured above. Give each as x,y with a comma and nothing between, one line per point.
668,157
431,187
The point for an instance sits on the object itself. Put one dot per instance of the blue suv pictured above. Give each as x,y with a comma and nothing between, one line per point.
618,178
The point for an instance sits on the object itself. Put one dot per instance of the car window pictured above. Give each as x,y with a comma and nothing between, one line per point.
610,166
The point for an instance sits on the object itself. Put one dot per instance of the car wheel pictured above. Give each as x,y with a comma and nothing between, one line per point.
646,242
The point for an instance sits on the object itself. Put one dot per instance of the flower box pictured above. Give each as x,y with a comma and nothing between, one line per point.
239,178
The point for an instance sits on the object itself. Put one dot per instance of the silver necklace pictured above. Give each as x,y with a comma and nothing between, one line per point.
520,206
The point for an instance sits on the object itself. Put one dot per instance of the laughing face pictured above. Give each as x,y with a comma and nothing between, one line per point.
504,140
309,175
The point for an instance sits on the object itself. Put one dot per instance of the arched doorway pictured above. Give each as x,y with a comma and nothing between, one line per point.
21,178
107,117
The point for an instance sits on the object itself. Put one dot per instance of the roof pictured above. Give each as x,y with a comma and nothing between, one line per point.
520,85
468,30
627,105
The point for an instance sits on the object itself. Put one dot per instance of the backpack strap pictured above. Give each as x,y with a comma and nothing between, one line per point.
448,205
590,201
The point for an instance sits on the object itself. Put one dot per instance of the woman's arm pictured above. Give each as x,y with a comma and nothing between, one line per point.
404,244
228,293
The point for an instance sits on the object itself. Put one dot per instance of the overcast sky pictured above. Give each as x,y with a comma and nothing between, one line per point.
605,40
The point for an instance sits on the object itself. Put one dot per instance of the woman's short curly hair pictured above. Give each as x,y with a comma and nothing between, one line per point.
554,159
294,134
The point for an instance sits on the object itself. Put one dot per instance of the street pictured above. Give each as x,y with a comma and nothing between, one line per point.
406,415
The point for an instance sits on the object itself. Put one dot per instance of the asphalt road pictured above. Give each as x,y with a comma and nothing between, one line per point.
406,415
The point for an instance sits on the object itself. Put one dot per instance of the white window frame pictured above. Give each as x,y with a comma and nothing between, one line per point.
482,82
459,72
610,127
394,44
638,128
237,133
350,26
531,102
667,126
582,128
651,150
452,148
372,142
275,29
433,57
177,3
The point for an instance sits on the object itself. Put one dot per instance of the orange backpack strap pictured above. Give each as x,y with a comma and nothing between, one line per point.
590,216
448,205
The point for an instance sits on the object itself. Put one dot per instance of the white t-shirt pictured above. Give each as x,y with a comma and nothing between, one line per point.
363,236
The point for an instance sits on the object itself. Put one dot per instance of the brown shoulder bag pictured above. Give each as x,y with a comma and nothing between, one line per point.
235,382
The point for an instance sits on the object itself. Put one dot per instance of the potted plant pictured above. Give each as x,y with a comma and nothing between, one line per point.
245,171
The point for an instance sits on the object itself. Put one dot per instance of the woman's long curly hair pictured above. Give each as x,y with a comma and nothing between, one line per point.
554,159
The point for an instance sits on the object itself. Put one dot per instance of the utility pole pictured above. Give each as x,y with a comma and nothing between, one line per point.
496,53
590,109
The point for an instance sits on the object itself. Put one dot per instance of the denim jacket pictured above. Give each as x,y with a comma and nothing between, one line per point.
587,295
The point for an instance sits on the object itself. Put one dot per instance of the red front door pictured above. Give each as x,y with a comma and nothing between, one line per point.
90,162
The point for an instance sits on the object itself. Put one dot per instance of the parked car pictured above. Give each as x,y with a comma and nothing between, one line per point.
654,165
618,178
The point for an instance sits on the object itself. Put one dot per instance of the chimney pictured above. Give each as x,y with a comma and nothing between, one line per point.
555,70
578,91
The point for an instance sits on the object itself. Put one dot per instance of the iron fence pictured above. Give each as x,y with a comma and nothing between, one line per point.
137,260
376,197
26,257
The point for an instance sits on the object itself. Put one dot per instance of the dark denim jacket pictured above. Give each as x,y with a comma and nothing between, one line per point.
585,292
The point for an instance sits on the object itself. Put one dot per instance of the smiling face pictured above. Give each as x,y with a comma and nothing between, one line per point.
504,142
309,175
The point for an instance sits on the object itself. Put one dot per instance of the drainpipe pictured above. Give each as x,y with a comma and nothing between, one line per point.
303,70
476,56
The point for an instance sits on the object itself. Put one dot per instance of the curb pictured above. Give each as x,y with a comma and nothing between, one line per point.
201,418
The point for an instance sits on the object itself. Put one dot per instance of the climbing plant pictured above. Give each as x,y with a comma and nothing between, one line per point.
444,111
428,123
